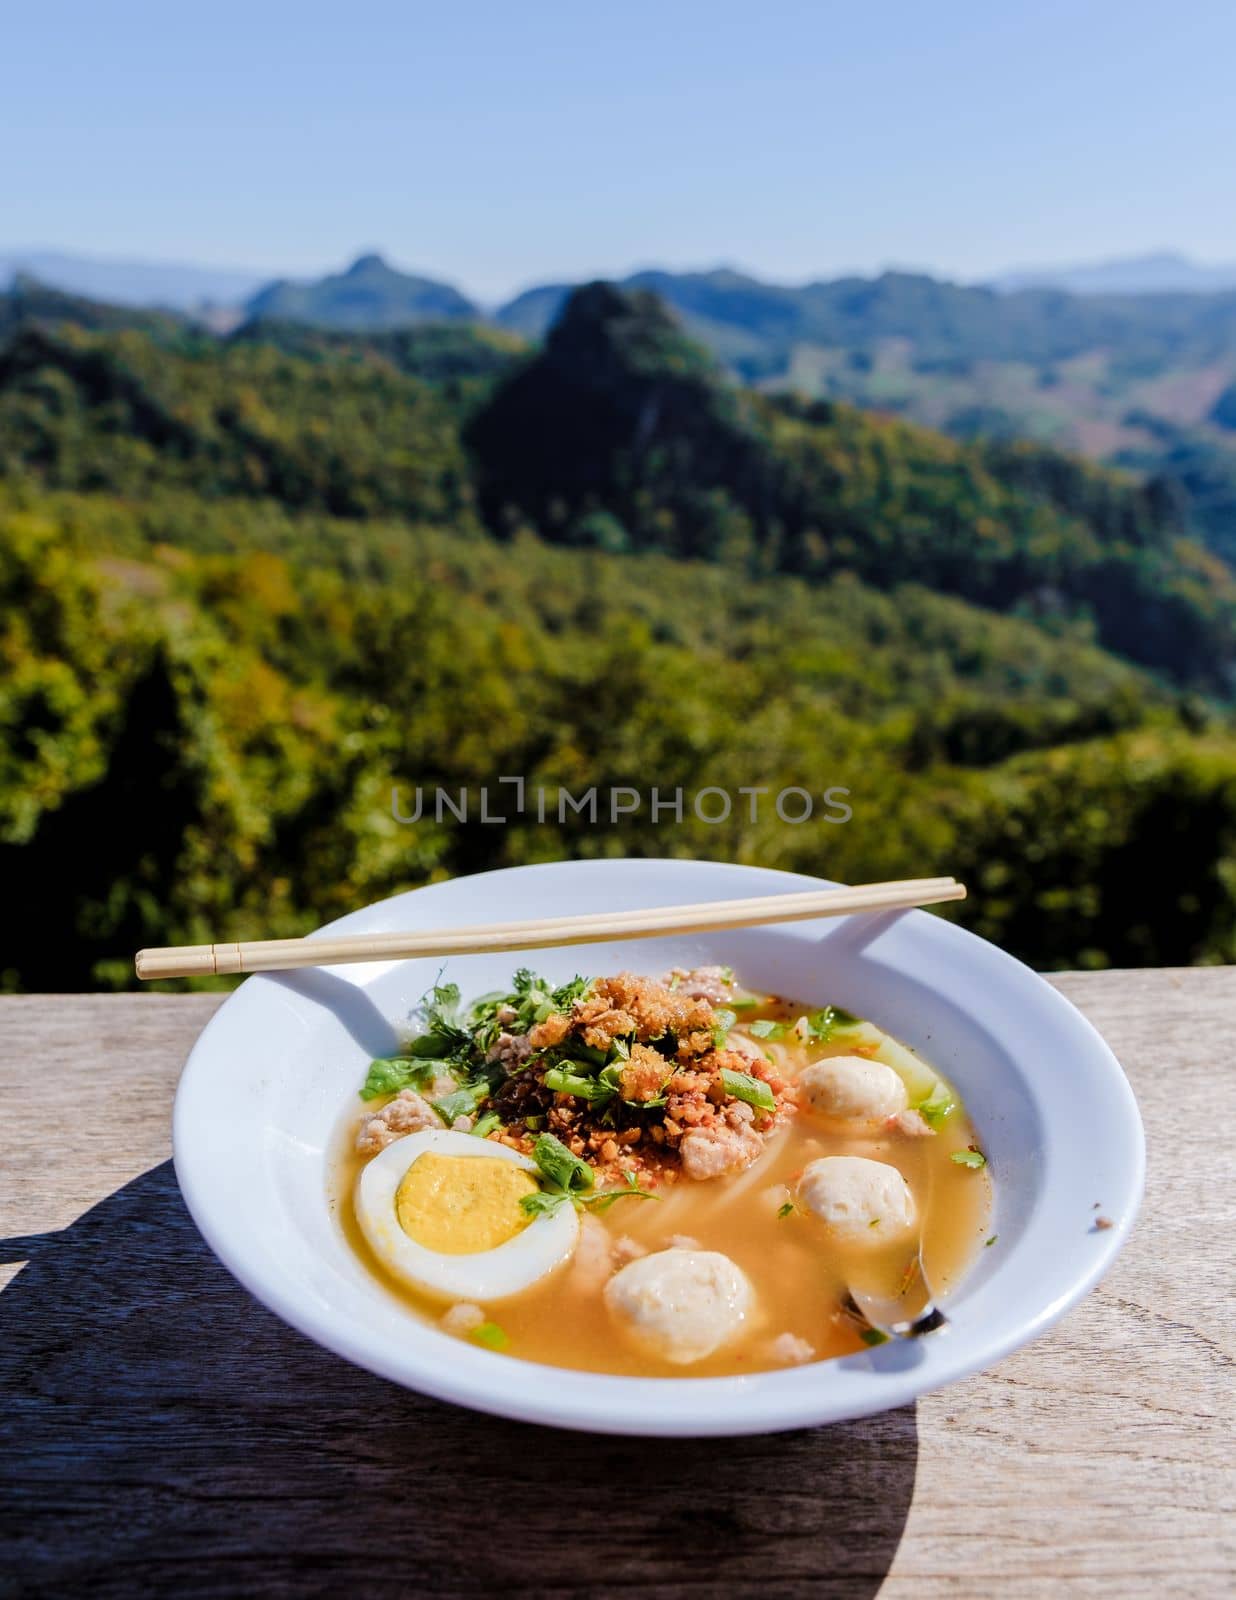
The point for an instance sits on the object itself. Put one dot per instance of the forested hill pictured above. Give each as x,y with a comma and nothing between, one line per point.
1144,381
247,585
369,294
622,415
620,433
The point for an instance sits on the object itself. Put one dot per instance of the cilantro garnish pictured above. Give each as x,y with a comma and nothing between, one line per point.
629,1191
568,1180
531,999
935,1107
822,1024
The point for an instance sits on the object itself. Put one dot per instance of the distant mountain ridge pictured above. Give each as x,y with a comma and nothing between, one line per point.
756,326
369,295
185,286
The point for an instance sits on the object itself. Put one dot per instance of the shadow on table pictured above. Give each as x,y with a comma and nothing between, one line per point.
165,1432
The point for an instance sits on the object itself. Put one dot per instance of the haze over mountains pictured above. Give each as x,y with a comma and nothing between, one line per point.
172,285
1161,272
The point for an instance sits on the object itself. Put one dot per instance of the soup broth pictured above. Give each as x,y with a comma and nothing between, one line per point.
795,1259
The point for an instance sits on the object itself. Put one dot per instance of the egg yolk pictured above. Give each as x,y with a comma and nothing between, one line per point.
458,1205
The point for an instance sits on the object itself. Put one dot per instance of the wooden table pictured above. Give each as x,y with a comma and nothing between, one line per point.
162,1433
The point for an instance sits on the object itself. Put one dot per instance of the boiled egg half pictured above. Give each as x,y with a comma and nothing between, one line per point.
442,1211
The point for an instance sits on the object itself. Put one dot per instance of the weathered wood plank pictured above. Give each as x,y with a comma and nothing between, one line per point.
161,1431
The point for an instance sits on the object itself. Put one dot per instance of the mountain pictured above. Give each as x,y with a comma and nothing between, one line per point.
132,283
622,433
1163,272
532,313
369,295
760,327
1140,381
1137,380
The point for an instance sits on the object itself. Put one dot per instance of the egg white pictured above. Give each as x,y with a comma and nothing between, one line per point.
486,1275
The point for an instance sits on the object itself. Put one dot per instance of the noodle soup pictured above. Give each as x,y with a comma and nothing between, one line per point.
657,1177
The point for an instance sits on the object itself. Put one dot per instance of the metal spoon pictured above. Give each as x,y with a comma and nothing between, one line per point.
909,1314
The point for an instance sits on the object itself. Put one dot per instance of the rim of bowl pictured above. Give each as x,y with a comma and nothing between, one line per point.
875,1380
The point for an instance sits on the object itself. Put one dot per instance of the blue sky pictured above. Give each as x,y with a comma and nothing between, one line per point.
501,144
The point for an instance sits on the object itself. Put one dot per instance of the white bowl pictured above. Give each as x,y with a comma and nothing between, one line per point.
265,1086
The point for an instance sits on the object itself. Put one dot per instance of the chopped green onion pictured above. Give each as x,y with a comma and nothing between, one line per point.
987,1243
562,1081
490,1335
872,1336
388,1074
487,1124
564,1170
722,1022
742,1086
786,1209
969,1158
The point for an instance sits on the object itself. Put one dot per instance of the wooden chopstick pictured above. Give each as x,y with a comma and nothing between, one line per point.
281,955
